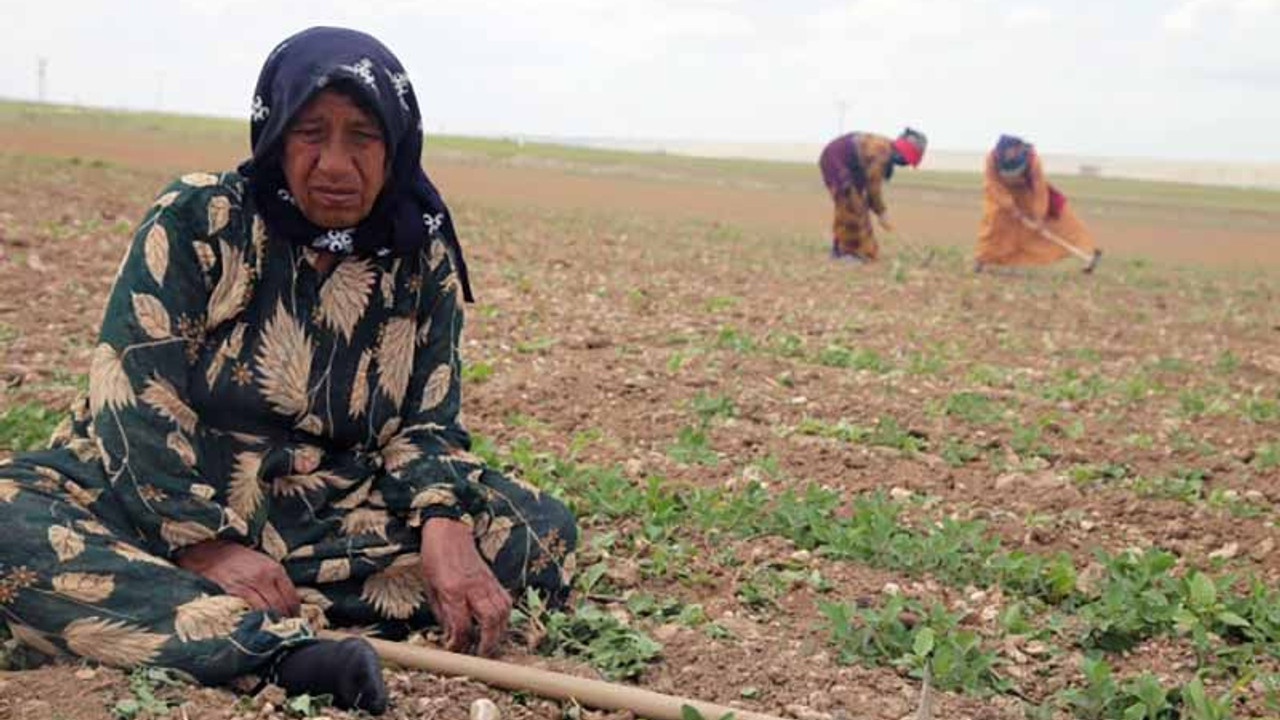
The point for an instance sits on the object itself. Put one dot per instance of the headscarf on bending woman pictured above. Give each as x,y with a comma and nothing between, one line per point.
409,211
1013,156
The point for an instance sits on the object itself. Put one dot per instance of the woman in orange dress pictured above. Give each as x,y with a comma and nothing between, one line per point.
1025,220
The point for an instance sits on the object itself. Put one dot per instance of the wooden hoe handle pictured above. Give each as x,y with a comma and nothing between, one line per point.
557,686
1052,237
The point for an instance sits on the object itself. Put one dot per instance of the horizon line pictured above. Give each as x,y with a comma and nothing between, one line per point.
1249,174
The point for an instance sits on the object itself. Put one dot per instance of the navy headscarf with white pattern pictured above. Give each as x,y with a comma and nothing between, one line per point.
409,211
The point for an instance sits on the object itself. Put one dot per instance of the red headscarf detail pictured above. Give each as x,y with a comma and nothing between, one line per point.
909,151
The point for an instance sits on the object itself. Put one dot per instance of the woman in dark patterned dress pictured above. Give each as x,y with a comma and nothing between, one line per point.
271,444
855,168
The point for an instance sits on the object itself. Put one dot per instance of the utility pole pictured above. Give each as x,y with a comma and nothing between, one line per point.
841,108
42,72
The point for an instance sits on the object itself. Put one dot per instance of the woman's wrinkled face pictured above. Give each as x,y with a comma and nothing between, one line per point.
334,160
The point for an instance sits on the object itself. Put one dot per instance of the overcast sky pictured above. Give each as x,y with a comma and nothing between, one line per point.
1175,78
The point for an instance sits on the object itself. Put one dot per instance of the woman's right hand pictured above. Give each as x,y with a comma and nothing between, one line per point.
248,574
462,590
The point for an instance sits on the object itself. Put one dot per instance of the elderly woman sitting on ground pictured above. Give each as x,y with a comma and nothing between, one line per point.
271,441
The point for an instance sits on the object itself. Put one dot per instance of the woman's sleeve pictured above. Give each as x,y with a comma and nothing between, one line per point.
180,482
1039,188
428,469
876,154
995,189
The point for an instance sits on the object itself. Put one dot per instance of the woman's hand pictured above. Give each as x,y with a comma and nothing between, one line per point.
245,573
461,588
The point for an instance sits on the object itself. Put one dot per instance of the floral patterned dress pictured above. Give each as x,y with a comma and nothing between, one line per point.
238,392
855,168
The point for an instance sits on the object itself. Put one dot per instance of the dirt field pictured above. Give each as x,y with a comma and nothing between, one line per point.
769,450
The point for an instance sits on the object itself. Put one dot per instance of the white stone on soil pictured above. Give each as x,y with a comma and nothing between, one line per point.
484,709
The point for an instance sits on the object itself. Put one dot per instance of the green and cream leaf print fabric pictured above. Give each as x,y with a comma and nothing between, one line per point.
239,393
211,325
